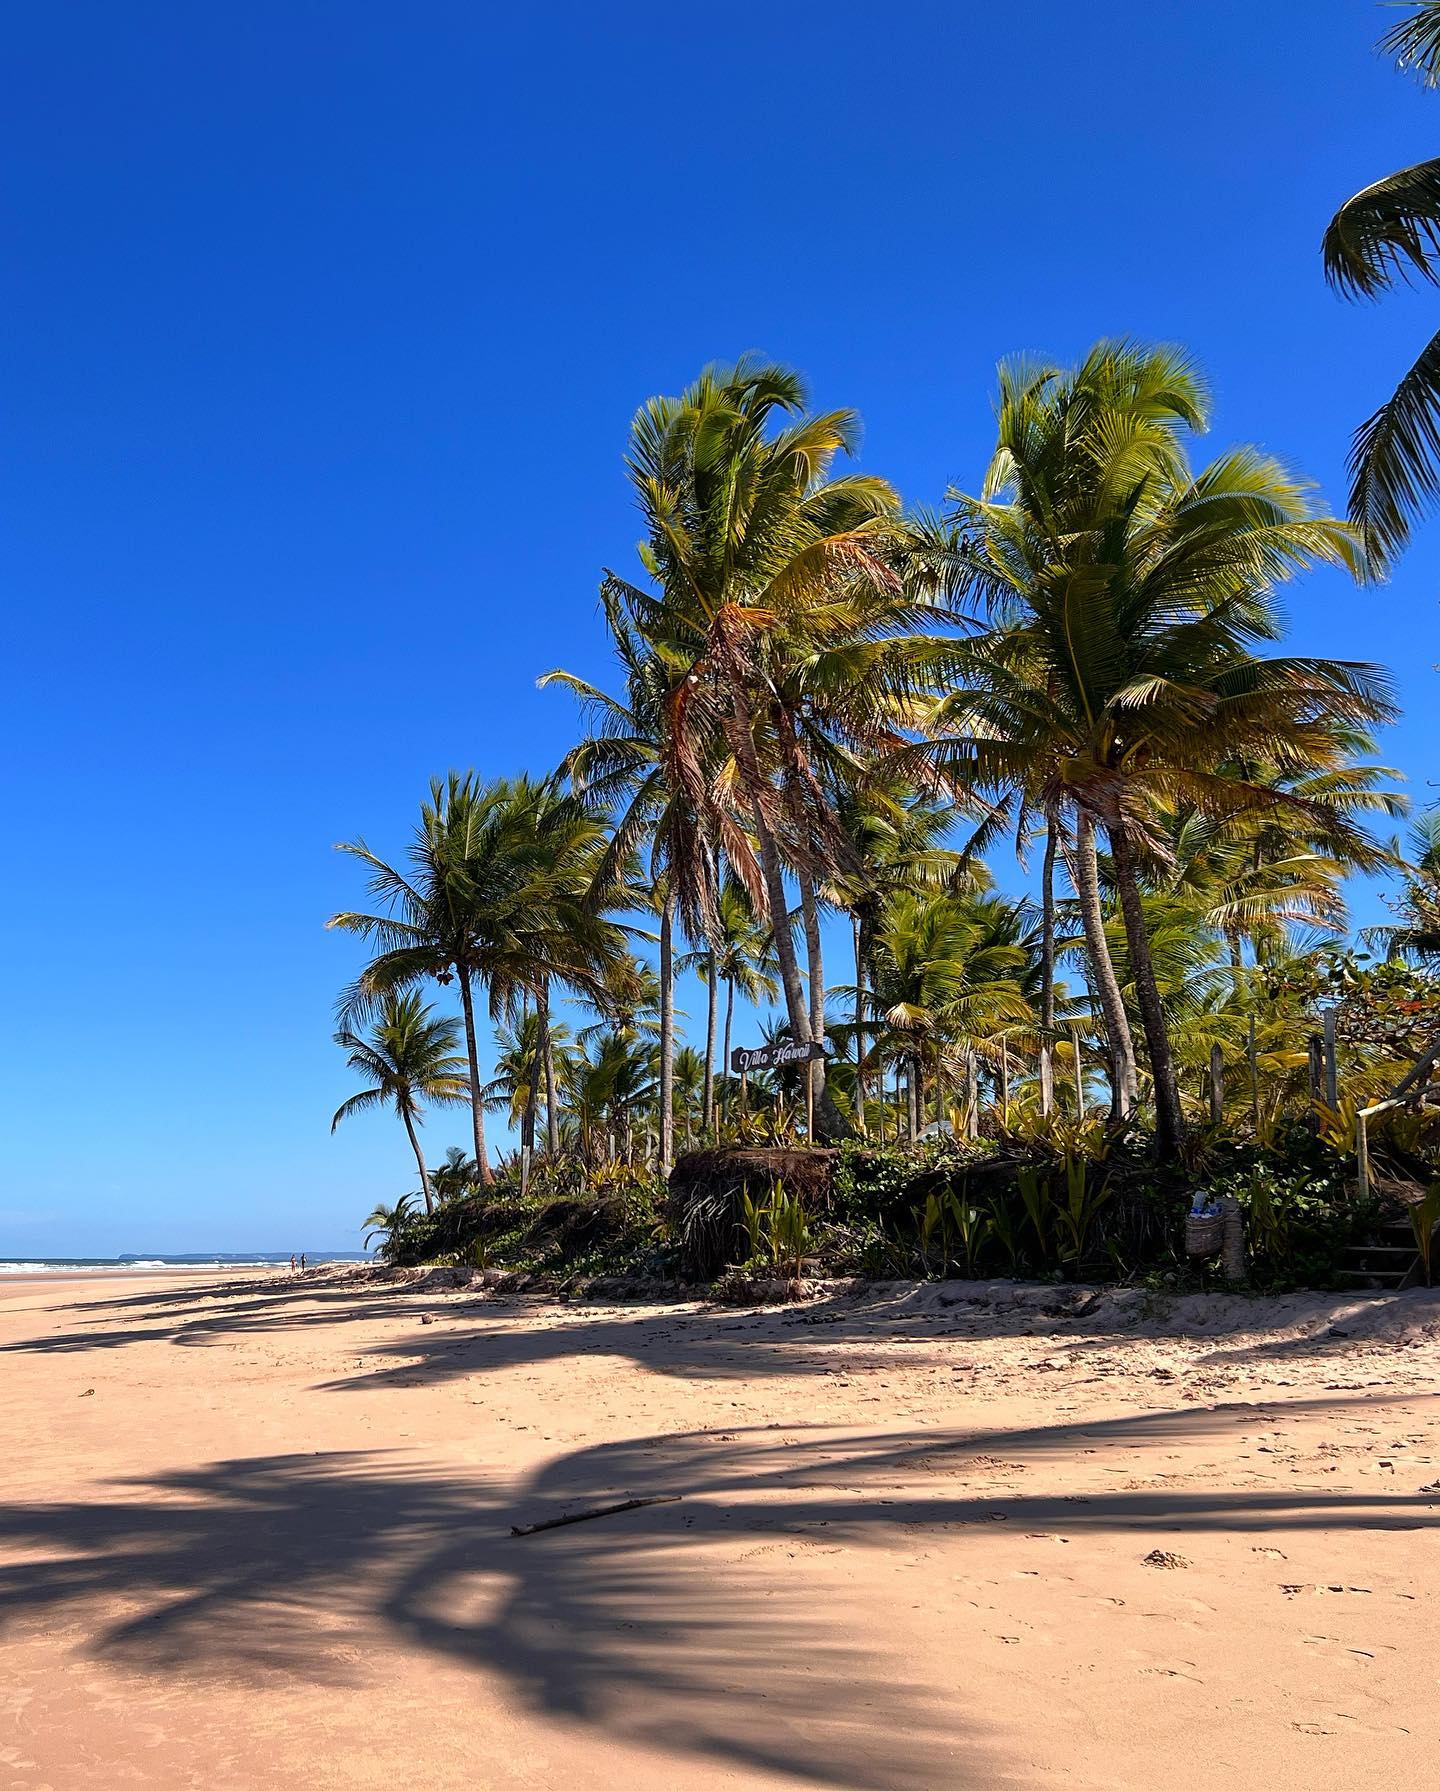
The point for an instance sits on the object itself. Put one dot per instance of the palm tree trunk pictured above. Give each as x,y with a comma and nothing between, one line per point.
1169,1124
707,1096
477,1109
859,931
797,1009
725,1055
552,1114
532,1101
1047,969
667,1036
420,1159
773,877
912,1095
810,911
829,1121
1107,984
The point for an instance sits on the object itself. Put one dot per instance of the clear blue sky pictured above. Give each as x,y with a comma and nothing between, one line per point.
323,326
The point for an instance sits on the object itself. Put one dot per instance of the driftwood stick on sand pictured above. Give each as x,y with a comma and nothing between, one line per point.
580,1517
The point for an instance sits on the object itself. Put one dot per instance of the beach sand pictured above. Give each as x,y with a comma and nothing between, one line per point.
256,1534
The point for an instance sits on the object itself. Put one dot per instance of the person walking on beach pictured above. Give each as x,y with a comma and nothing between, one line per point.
292,1262
302,1262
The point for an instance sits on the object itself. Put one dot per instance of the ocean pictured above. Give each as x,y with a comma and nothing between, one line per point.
211,1259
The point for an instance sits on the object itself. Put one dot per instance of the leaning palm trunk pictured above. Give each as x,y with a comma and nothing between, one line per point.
777,912
477,1110
547,1045
860,1094
1047,969
773,877
667,1036
707,1096
1169,1124
829,1121
420,1160
725,1052
532,1101
810,910
1107,984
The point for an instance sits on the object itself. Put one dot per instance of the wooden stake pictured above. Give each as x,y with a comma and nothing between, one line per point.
1332,1075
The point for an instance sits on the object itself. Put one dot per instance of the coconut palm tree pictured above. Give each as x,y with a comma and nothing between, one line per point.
610,1082
458,1175
743,958
896,838
497,895
622,763
527,1052
689,1089
1389,233
387,1223
1128,596
410,1059
1262,871
942,970
763,562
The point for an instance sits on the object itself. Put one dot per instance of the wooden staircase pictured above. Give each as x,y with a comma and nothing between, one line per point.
1387,1259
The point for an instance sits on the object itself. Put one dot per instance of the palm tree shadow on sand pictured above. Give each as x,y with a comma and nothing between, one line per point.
684,1627
295,1567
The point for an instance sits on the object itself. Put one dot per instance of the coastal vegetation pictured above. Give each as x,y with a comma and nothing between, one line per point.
1014,816
829,710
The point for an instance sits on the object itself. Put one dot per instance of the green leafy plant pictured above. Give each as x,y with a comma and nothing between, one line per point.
752,1217
1085,1196
972,1227
1424,1217
789,1231
1039,1205
933,1224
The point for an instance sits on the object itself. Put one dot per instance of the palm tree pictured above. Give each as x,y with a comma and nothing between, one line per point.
689,1088
1128,596
896,839
387,1223
774,597
497,895
526,1055
410,1059
1262,871
1390,232
942,970
610,1081
623,764
743,958
456,1176
1415,934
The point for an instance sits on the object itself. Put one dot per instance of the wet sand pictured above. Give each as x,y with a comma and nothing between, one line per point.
257,1534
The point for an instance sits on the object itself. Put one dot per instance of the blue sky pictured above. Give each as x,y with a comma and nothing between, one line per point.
324,324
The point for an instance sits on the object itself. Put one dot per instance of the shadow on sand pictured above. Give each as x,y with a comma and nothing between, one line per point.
651,1627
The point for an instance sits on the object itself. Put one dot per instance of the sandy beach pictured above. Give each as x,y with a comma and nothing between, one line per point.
258,1534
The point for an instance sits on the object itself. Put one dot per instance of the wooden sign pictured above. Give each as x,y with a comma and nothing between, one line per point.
770,1057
